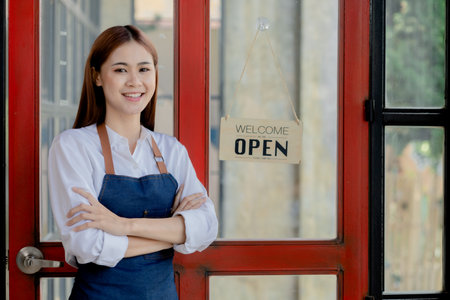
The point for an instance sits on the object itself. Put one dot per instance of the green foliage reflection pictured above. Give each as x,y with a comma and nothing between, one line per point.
415,53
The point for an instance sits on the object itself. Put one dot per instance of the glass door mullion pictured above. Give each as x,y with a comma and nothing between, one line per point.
416,296
415,117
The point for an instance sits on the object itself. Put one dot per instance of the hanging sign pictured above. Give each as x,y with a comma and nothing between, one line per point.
260,140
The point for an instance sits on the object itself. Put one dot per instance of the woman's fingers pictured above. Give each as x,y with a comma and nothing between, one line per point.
96,215
188,202
87,212
84,226
195,204
92,200
176,201
79,218
77,209
194,197
191,202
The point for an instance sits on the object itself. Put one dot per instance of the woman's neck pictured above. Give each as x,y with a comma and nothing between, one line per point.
130,128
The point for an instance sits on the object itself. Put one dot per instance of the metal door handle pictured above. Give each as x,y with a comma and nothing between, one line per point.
30,260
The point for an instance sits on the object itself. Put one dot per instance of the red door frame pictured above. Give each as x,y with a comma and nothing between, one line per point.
346,257
23,30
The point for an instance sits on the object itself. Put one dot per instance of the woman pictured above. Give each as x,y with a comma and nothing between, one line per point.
116,185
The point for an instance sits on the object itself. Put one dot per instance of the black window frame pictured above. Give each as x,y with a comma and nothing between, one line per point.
379,117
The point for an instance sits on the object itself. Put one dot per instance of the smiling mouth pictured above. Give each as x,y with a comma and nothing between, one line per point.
133,95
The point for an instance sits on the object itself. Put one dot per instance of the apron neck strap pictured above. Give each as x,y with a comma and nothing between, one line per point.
106,149
158,158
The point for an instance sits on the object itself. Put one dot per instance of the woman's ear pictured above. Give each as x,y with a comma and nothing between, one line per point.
96,77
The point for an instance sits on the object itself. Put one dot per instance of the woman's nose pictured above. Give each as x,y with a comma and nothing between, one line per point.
133,79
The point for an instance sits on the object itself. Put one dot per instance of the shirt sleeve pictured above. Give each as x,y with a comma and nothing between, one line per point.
69,167
200,224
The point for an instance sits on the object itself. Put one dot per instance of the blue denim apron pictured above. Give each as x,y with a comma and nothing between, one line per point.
141,277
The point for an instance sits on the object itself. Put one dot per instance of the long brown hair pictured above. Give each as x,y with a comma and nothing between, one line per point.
92,107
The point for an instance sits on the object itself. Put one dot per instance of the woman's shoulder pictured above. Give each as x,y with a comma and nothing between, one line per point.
165,142
163,138
75,137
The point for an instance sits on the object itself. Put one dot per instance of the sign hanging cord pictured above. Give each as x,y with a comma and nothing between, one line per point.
280,73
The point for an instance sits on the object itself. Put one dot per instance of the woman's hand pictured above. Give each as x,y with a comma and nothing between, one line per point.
190,202
100,217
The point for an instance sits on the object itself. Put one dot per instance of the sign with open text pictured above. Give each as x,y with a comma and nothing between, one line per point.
260,140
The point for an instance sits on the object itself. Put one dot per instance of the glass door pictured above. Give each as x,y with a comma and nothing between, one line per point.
53,41
67,30
296,229
259,201
287,231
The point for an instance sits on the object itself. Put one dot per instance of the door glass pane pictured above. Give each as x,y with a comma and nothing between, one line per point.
56,288
414,205
273,287
67,31
262,200
415,53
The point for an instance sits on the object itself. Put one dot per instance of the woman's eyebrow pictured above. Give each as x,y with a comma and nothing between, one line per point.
145,63
119,63
125,64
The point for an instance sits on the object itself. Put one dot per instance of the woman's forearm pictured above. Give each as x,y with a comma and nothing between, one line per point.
170,230
140,246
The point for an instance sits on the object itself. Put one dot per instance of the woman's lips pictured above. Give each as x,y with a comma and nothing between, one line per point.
133,96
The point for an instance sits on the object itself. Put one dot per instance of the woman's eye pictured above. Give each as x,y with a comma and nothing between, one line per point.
144,69
121,70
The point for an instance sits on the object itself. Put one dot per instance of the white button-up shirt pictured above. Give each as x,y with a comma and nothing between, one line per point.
76,160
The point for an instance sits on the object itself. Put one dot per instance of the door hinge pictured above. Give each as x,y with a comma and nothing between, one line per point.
369,110
6,261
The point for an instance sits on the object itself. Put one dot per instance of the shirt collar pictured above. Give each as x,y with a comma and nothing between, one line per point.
146,134
117,139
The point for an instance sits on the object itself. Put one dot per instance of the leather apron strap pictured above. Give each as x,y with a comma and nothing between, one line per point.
106,149
158,157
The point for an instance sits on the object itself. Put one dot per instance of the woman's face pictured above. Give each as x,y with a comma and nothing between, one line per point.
128,79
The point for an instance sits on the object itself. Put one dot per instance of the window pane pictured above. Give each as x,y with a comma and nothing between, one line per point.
260,200
271,287
415,53
156,19
67,31
60,84
413,208
56,288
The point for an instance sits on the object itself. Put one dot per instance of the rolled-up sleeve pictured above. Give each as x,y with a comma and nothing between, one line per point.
201,224
69,167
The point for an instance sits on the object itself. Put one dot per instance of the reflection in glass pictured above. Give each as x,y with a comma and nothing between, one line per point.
66,35
261,200
156,19
415,53
67,30
56,288
271,287
413,208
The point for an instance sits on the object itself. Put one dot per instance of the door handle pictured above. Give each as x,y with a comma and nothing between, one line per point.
30,260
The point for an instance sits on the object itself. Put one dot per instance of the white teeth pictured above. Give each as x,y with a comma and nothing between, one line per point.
133,95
